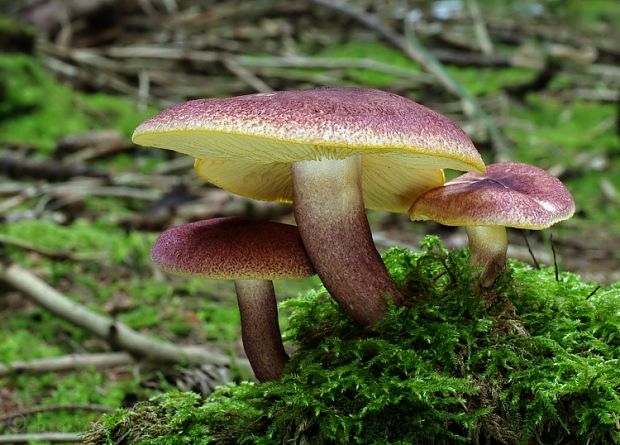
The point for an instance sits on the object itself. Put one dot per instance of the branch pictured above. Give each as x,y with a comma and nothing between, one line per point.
52,170
116,333
246,75
67,363
41,437
49,253
480,27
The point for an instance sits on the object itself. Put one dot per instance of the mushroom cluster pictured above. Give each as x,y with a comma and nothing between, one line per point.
332,153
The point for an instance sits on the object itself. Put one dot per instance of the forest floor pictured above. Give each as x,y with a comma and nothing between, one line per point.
80,205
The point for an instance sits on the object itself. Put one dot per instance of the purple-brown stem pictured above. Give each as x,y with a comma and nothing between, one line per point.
260,331
329,211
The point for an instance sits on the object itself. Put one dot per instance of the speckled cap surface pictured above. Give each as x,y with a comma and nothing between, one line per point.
233,248
509,194
246,144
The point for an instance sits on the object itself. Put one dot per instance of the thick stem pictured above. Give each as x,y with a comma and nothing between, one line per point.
487,249
329,211
260,331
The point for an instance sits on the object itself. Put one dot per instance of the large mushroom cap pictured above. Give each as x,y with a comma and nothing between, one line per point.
245,144
233,248
509,194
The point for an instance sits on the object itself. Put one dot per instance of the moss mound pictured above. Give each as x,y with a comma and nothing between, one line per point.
534,360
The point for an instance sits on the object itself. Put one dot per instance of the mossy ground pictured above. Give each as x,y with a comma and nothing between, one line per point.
532,360
37,110
548,128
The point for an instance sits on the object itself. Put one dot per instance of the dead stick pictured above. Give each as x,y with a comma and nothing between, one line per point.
41,437
295,61
480,27
49,253
246,75
115,332
329,63
67,363
52,170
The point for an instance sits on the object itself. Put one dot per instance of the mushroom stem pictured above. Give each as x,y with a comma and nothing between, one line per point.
260,331
329,211
488,246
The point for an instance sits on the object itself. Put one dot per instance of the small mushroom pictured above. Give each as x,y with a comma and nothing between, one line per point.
252,254
509,195
333,151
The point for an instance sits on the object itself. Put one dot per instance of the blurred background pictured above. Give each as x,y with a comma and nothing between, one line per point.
532,81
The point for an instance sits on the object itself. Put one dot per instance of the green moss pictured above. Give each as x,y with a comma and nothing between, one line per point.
37,110
22,335
563,128
477,80
220,321
592,15
533,359
480,81
35,333
82,387
578,135
380,53
95,238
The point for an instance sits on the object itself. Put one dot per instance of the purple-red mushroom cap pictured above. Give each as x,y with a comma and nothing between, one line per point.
233,248
246,144
509,194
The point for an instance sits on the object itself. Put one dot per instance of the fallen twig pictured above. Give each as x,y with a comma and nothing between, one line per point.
41,437
330,63
49,253
514,31
215,203
176,165
243,61
139,194
246,75
23,195
598,94
51,170
67,363
117,334
149,188
480,27
92,145
471,59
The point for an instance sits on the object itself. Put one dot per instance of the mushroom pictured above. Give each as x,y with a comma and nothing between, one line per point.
332,151
252,254
509,195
